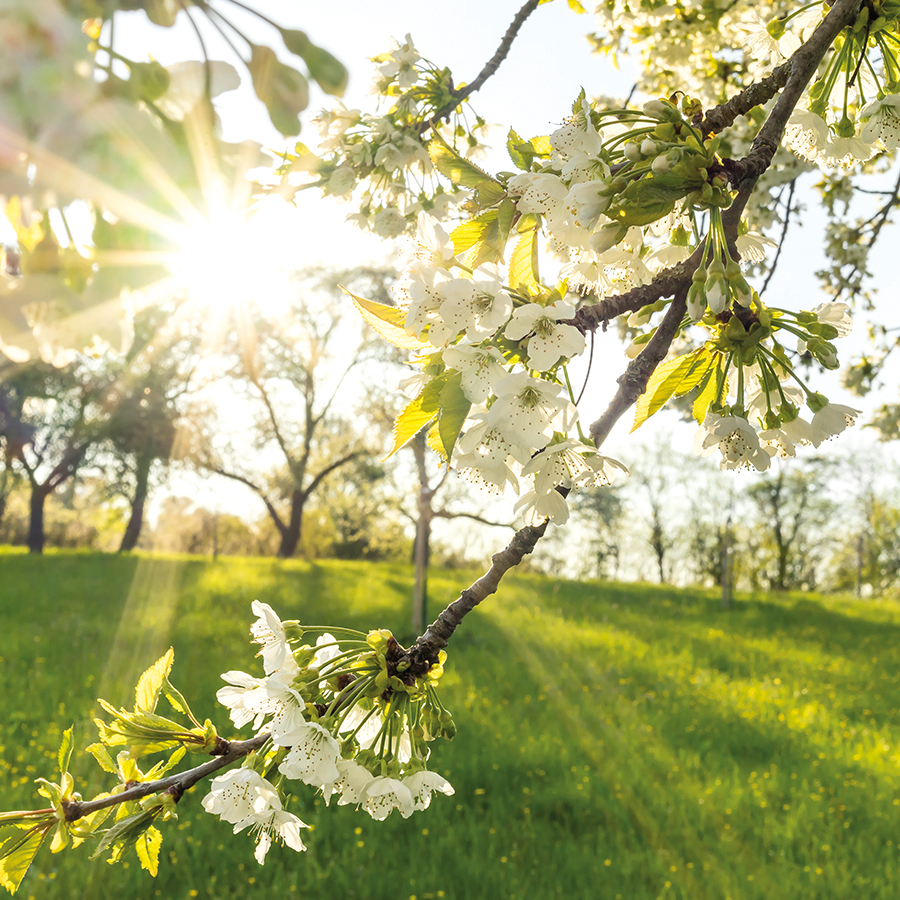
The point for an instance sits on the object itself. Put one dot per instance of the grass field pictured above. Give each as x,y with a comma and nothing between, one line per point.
615,741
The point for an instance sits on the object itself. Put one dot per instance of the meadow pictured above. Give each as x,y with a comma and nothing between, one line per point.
615,741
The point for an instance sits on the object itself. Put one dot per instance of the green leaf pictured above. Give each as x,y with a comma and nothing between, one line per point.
520,151
147,847
105,761
523,264
146,695
18,848
455,407
484,238
327,71
418,414
283,90
162,12
465,174
709,389
672,378
125,833
388,321
65,751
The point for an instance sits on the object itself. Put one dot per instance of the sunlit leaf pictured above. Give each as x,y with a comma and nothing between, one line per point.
147,847
388,321
672,378
65,751
465,174
417,415
146,695
523,264
283,90
18,848
327,71
455,407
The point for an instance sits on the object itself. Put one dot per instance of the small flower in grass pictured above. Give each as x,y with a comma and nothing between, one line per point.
312,756
383,795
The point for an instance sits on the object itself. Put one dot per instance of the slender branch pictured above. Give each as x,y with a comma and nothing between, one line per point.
229,752
424,651
459,95
633,382
273,513
784,230
444,514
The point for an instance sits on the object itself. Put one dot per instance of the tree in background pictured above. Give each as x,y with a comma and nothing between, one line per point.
291,374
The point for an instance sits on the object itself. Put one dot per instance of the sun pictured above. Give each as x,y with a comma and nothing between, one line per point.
236,264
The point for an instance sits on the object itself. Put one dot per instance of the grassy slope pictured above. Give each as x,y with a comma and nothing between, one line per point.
614,741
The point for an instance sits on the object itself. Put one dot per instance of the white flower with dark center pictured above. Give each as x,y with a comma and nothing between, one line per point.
528,410
776,443
424,287
884,122
537,506
807,134
483,454
831,420
313,755
735,438
268,631
351,782
481,369
423,784
550,341
382,795
252,699
540,193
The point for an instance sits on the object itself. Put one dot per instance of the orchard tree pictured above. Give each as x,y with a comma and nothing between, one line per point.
657,209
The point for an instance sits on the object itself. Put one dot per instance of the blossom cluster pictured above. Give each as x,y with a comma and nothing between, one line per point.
342,715
381,161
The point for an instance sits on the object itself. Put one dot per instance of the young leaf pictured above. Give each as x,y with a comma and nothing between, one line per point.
147,847
282,89
104,760
18,848
455,407
709,389
672,378
484,237
523,264
125,833
520,151
417,414
146,695
465,174
65,751
388,321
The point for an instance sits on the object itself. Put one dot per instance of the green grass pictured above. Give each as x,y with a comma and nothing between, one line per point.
614,741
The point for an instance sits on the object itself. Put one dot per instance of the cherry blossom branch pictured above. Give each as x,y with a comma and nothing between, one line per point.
227,752
803,65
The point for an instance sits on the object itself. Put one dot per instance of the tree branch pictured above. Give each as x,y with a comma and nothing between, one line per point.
273,513
424,651
633,382
230,751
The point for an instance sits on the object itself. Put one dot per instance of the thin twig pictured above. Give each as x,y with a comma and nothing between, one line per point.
784,230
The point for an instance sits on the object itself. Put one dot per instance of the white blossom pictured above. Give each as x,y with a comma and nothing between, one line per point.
528,410
382,795
350,783
550,341
313,755
883,123
736,440
830,420
481,369
536,506
422,784
268,631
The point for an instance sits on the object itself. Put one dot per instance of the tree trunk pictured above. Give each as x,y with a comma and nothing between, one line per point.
420,588
290,536
36,520
136,521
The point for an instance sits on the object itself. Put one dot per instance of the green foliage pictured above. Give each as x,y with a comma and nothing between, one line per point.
674,378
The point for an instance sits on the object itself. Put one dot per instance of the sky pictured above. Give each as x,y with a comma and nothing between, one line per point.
532,91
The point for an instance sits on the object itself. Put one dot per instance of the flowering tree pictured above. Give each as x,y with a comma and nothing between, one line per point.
656,210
